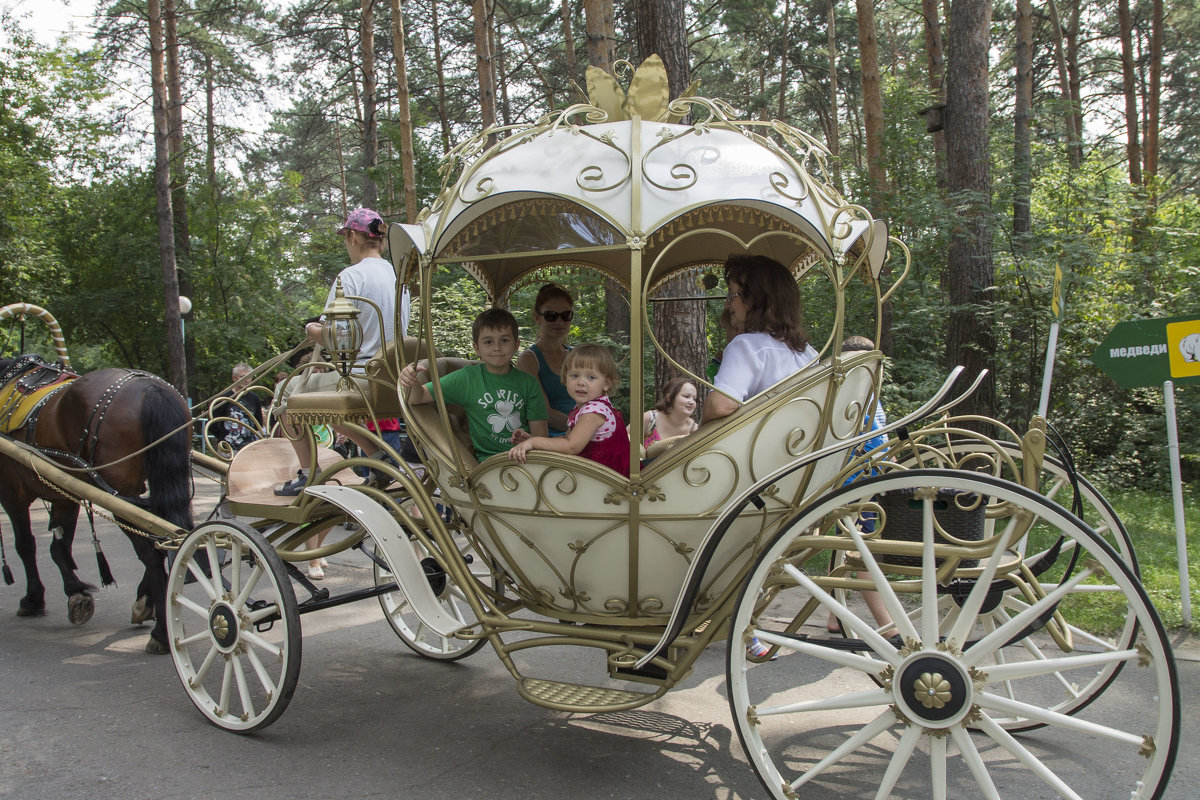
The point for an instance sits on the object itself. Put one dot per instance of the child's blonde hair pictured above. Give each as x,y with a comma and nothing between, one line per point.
594,356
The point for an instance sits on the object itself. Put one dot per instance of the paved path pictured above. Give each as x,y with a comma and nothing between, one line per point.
86,714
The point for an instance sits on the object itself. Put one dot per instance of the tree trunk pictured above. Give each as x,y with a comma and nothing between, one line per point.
179,179
1152,101
176,364
935,64
1022,111
661,30
598,22
679,325
970,336
370,129
1073,78
407,160
498,58
1064,81
868,50
1133,148
568,36
483,62
784,61
833,132
440,67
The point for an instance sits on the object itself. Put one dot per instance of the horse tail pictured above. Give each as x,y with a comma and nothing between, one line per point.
168,464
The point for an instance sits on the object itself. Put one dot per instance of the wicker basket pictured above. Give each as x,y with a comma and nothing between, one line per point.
958,513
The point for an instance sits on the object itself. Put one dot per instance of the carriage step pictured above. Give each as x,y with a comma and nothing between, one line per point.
579,698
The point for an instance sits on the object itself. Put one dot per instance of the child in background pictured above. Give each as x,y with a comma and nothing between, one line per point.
595,430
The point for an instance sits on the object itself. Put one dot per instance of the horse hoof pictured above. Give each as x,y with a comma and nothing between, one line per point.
80,608
156,648
24,610
142,611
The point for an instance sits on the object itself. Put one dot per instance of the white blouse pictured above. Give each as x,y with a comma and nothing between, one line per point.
754,362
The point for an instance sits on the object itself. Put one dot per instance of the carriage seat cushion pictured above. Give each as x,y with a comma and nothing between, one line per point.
375,395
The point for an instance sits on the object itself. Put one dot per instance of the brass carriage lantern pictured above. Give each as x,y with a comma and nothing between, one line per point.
342,335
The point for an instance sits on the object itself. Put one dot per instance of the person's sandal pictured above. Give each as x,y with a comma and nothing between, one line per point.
293,487
315,572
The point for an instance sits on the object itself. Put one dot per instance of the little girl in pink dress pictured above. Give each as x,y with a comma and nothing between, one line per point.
595,430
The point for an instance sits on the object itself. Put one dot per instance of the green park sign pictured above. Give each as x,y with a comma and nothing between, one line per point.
1148,352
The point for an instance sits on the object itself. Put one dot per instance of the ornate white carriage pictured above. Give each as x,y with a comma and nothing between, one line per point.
742,530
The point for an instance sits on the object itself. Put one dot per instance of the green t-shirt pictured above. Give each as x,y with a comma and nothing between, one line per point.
496,405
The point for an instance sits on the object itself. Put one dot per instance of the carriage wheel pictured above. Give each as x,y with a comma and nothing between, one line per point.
234,635
911,715
408,626
1077,690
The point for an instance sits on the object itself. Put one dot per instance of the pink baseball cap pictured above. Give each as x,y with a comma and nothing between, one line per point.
364,220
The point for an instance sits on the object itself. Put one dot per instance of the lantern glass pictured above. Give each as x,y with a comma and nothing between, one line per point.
342,335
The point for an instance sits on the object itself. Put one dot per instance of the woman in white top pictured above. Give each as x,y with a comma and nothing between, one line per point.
764,303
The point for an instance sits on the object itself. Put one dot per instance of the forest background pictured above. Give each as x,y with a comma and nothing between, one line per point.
281,117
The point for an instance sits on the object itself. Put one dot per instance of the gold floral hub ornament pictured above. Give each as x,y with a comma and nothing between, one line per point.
932,690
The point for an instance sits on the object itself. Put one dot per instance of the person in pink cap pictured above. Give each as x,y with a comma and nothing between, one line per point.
371,276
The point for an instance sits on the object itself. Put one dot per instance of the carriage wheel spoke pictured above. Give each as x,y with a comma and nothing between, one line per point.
868,732
1046,666
937,766
259,614
970,754
226,685
971,607
904,750
1018,750
264,678
214,565
989,625
239,675
194,607
832,655
1017,708
864,699
209,659
1106,644
202,580
249,637
850,621
195,638
930,614
997,638
900,619
244,593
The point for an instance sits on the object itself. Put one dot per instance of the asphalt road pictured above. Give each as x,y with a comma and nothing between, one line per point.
85,713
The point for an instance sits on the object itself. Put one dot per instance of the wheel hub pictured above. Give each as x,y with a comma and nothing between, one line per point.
223,627
933,690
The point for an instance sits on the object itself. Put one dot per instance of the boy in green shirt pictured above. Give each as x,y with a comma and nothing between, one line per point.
497,398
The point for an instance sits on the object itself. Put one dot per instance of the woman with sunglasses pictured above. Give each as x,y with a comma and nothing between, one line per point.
553,309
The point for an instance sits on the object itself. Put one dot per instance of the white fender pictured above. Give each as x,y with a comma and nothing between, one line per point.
393,543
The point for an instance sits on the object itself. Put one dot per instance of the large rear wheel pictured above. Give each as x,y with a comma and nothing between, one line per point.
908,715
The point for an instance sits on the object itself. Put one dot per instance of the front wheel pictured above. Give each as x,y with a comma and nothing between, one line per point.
234,626
910,714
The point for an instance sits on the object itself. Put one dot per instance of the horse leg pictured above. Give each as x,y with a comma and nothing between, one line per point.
154,586
34,601
64,515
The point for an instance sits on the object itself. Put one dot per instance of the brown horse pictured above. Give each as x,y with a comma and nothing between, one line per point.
95,421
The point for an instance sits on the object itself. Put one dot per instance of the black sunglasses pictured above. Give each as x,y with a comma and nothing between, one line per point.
553,316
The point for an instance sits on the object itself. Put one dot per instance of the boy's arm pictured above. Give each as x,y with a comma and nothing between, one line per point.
410,379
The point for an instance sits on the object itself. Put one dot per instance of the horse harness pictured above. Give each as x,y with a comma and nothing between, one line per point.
28,385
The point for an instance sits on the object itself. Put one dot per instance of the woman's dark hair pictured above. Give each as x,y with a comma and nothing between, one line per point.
670,390
549,292
771,296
